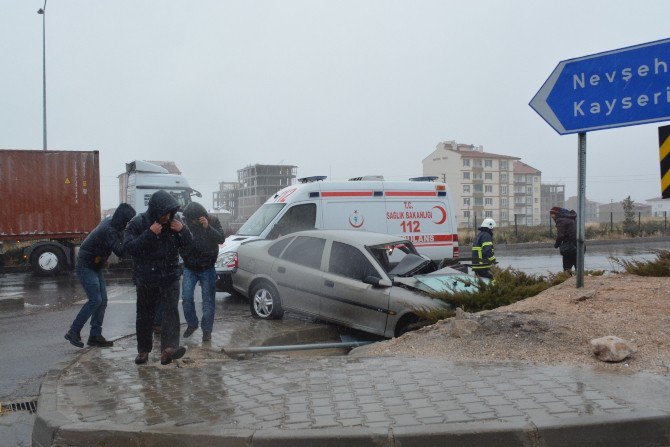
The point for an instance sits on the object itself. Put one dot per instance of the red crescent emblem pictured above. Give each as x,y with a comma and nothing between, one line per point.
444,214
353,220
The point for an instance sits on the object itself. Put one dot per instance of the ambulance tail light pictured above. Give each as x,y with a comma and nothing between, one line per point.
440,188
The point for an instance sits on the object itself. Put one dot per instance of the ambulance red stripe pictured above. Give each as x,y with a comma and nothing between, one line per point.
411,193
347,194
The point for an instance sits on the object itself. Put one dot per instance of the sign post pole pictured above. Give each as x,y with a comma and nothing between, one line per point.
581,187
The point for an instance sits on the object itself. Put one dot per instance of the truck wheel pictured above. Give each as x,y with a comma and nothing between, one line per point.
408,323
47,260
265,302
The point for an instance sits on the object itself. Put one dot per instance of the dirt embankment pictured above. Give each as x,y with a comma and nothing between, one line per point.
556,327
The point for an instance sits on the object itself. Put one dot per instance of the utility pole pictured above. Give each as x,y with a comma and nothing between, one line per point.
43,12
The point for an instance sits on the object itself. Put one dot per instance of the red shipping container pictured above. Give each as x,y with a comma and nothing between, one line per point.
48,194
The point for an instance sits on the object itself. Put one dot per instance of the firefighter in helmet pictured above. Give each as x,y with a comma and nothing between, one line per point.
483,256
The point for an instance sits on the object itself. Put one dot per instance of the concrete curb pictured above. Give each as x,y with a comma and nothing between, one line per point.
649,429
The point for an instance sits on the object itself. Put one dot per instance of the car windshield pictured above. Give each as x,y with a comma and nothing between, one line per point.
260,219
391,254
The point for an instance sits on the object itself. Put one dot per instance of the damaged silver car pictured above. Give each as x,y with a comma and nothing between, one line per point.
368,281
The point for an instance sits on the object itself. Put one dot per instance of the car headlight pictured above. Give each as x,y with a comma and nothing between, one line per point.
226,260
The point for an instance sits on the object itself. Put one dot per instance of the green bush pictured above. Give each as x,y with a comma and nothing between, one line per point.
510,286
655,267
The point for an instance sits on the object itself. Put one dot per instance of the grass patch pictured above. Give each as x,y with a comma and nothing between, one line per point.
510,286
659,267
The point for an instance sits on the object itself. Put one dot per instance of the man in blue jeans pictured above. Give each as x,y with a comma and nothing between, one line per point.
199,258
106,238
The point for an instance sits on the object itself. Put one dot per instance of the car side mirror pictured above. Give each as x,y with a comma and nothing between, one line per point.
377,282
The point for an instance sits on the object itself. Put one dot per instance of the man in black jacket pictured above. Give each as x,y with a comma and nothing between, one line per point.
153,239
106,238
566,236
199,258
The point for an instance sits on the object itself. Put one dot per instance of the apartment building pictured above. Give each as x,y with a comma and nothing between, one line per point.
255,184
550,195
484,184
590,208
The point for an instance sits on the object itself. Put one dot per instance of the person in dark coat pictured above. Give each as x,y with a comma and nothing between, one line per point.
106,238
153,239
199,258
566,235
483,255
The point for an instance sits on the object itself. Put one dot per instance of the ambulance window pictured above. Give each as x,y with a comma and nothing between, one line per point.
305,251
348,261
260,219
297,218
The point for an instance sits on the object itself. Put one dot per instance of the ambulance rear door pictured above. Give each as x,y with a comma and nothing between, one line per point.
421,213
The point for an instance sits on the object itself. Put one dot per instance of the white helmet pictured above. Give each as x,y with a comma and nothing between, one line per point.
488,223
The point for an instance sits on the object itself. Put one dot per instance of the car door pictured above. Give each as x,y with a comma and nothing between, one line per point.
298,274
346,299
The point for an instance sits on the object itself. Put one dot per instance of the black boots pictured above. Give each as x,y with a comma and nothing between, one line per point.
74,339
98,341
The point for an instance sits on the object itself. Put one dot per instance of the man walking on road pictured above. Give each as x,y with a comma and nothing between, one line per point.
106,238
566,236
199,258
153,239
483,256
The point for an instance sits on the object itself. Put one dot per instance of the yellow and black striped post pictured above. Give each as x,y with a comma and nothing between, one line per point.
664,145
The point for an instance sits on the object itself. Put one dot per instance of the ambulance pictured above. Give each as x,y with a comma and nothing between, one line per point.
419,210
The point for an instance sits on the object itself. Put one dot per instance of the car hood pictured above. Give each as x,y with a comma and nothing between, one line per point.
444,280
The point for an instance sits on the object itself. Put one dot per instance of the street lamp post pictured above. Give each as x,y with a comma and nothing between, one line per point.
43,12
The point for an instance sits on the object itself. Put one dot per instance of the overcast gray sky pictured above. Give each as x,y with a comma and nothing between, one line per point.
338,88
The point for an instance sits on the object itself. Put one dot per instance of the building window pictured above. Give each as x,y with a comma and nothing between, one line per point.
488,163
503,202
537,200
479,201
488,188
503,165
466,214
529,190
529,201
503,178
478,163
466,188
503,215
466,200
488,213
466,162
466,176
477,175
479,188
503,190
488,176
488,201
536,179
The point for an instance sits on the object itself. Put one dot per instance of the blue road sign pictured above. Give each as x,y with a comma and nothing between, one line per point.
616,88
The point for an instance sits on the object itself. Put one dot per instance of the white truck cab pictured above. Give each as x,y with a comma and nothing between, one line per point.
420,210
142,179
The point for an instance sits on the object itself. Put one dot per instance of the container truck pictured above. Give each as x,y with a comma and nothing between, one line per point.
50,202
143,178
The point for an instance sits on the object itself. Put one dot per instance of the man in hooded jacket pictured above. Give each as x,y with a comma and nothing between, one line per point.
566,235
106,238
153,239
199,258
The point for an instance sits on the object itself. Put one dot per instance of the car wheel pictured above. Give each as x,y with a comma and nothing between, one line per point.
265,302
47,260
407,324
